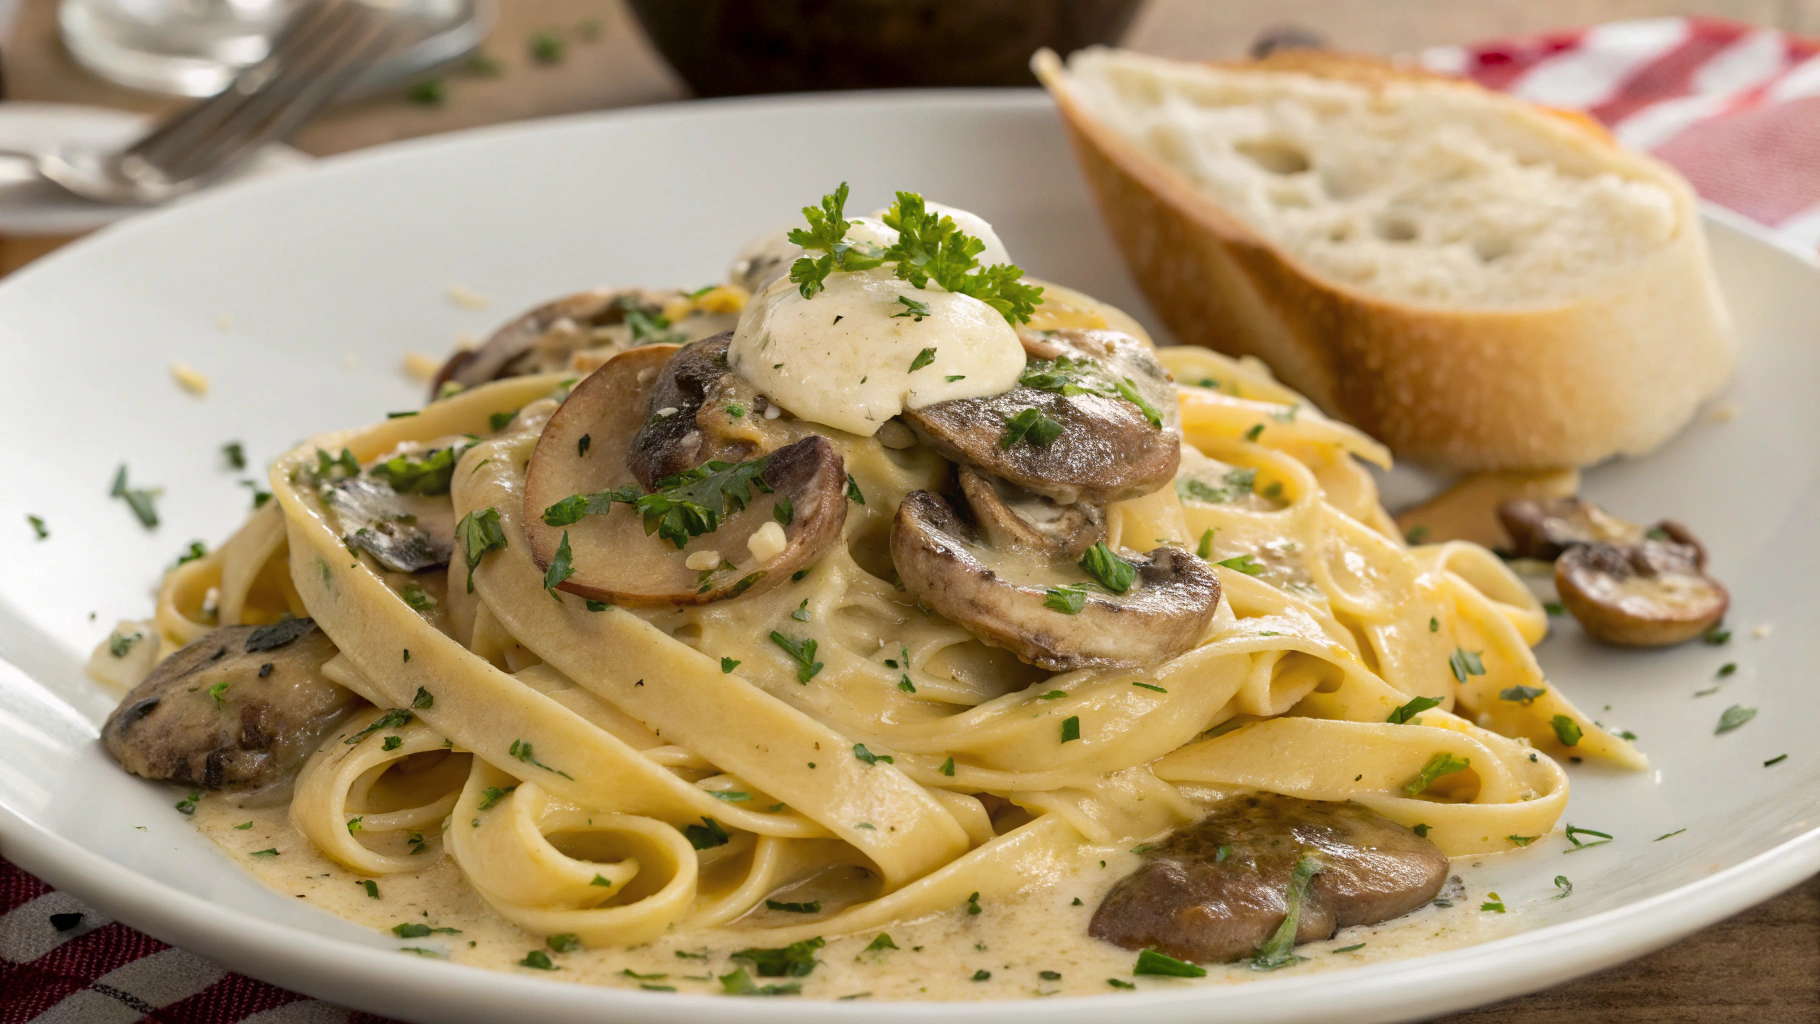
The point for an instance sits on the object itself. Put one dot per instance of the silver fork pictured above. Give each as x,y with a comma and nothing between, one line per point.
323,47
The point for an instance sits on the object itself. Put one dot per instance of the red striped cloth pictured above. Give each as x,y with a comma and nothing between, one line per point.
1735,108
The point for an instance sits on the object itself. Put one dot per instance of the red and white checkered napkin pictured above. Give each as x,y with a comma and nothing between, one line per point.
1734,108
63,963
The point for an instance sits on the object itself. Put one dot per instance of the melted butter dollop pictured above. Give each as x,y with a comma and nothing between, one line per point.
842,358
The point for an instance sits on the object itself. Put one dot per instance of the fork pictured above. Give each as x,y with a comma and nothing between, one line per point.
324,46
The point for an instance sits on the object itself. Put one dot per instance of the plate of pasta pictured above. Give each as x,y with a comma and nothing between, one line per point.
813,578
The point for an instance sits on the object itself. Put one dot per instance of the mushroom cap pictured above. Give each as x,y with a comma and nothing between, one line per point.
999,596
698,386
241,707
1648,594
1108,449
404,532
613,557
1193,904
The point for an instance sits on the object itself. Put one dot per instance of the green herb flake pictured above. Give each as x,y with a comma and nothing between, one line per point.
139,500
1408,712
1071,728
860,751
1522,840
371,887
1116,983
1778,759
1566,887
1566,730
1354,948
883,942
707,835
1437,766
1107,569
948,767
1733,717
1149,961
267,852
1068,600
546,48
802,652
1668,835
1279,950
562,567
1494,904
1206,547
1246,564
477,533
1465,663
916,310
793,961
1521,694
1031,425
1254,432
1717,636
811,907
854,494
538,960
1574,832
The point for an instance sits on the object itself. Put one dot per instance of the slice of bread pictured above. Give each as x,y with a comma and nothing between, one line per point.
1480,283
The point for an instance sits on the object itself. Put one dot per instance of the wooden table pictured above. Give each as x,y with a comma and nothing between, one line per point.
1761,967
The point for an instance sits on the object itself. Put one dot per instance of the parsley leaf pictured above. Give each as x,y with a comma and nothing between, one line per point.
478,533
561,567
707,835
1068,600
427,474
1149,961
1566,730
1030,424
1521,694
793,961
571,509
1279,949
1410,710
693,502
1465,663
916,310
1437,766
1108,569
802,651
1246,564
1734,716
923,358
826,234
137,499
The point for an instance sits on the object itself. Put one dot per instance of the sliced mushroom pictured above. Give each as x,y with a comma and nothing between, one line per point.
799,491
241,708
1215,891
404,532
1015,519
545,338
701,411
1544,527
1107,448
1648,594
1017,600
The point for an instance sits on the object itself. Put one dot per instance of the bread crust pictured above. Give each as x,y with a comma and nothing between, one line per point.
1614,373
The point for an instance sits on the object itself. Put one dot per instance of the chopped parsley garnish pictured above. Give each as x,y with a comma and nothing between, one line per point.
562,567
793,961
566,942
784,511
1234,485
982,975
1108,569
803,652
393,719
1669,835
1574,832
1778,759
1566,730
581,446
916,310
1246,564
929,247
1030,424
1410,710
1493,904
571,509
187,805
854,494
1733,717
1068,600
860,751
951,378
428,475
1149,961
1421,831
392,743
423,699
1437,766
1717,635
415,596
811,907
739,983
597,606
1071,728
1129,392
879,944
1256,430
1052,695
235,453
1521,694
137,499
707,835
118,645
1465,663
219,692
727,665
1279,949
1412,536
1116,983
521,749
371,887
801,614
492,795
1724,670
1150,686
267,852
827,234
37,524
948,767
243,826
1554,608
1522,840
537,959
1205,550
694,501
730,796
478,533
499,420
1566,887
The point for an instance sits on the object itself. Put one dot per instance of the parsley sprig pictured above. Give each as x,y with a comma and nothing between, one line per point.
929,247
685,505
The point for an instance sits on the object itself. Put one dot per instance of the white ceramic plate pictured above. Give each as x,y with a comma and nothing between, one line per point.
354,261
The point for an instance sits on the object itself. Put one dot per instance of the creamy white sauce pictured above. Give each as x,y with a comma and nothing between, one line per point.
843,358
1014,941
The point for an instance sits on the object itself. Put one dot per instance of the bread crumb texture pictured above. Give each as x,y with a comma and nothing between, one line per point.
1417,191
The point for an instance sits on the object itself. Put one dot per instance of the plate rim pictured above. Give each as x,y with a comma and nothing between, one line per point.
343,972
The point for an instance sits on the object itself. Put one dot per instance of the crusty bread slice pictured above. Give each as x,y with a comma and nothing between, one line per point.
1480,283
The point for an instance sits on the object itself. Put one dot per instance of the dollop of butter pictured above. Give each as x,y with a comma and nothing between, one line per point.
843,358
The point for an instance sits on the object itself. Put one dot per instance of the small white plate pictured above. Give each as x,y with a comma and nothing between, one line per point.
271,287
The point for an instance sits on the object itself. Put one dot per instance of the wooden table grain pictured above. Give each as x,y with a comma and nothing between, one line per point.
1760,967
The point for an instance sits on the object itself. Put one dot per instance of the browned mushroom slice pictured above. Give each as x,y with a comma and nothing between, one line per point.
1043,610
701,411
1093,418
1013,518
404,532
240,708
767,517
1216,891
1649,594
545,338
